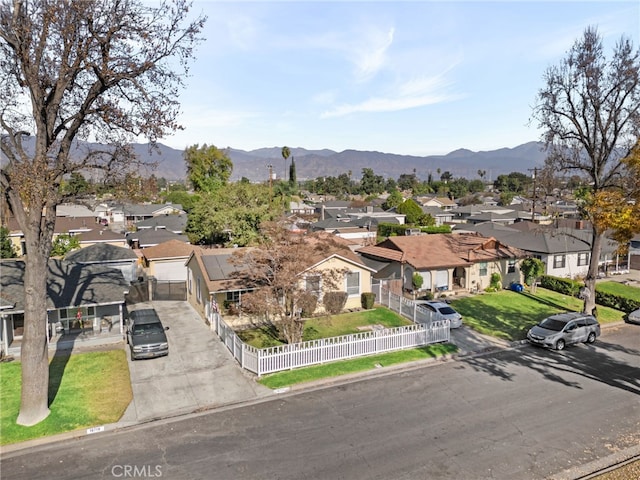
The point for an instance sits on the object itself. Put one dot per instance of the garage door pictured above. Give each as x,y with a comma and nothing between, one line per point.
171,271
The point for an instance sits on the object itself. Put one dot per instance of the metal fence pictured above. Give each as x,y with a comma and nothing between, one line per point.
287,357
169,289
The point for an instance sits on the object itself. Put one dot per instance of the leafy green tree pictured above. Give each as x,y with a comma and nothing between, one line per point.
370,183
107,72
413,212
7,249
293,181
393,200
208,168
589,112
77,184
458,187
181,197
506,198
407,181
231,216
64,244
476,186
531,269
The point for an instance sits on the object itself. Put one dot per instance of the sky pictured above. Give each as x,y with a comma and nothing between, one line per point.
412,78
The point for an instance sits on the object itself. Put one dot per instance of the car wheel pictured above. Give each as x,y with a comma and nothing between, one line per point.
591,338
560,345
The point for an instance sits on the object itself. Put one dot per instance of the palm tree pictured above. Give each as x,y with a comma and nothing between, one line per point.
286,153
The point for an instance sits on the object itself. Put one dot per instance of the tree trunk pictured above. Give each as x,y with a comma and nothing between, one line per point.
592,275
34,353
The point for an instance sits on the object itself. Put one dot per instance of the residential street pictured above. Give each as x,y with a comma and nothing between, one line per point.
525,413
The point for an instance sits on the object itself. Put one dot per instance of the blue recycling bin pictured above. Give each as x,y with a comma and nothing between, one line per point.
517,287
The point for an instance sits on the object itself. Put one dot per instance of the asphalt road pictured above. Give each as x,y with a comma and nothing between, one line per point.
525,413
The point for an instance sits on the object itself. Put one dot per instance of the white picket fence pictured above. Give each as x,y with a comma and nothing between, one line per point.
286,357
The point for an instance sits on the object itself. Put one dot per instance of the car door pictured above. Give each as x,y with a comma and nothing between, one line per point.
571,332
582,331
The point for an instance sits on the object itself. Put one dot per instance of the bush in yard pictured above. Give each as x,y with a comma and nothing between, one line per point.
334,302
417,281
367,299
308,303
618,302
426,296
495,283
565,286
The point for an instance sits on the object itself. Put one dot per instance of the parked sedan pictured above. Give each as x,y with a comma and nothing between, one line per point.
563,329
633,317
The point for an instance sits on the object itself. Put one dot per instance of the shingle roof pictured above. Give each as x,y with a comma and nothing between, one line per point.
170,249
68,284
442,250
101,252
173,223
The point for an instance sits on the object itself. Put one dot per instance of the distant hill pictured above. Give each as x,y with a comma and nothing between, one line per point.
321,163
254,164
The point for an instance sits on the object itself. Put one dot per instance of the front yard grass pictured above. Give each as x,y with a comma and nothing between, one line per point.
344,367
85,390
328,326
509,315
617,288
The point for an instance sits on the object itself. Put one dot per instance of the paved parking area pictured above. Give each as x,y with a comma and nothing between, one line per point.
198,373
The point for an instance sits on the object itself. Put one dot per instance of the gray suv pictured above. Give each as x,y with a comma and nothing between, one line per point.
563,329
145,334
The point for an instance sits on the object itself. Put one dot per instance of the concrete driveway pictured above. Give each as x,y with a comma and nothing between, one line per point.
198,373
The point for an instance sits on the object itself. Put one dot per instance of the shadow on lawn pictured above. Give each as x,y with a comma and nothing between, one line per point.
58,365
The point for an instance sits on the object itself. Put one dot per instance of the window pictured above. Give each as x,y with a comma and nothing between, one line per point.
312,284
583,259
198,291
482,269
353,283
233,297
559,261
511,266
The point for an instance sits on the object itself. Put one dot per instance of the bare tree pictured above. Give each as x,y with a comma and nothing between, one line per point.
589,110
101,71
284,275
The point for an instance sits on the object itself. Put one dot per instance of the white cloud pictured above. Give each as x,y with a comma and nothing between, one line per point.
371,52
414,93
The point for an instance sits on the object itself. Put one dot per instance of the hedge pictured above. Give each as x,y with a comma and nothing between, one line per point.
567,286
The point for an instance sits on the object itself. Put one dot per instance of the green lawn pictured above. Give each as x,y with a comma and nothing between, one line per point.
85,390
507,314
617,288
343,367
329,326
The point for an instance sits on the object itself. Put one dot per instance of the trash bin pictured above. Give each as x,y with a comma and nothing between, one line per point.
517,287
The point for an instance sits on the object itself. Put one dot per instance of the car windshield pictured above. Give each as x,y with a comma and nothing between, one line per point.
553,324
447,311
147,328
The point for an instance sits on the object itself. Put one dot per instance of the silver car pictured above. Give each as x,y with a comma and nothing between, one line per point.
563,329
444,311
633,317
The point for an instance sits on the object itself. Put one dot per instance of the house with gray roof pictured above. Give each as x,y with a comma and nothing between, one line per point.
83,301
150,237
175,223
123,259
564,251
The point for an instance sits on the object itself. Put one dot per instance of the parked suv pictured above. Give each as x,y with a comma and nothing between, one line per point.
563,329
444,309
146,335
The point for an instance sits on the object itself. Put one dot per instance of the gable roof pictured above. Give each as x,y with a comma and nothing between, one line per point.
172,222
169,250
101,253
68,284
443,250
149,238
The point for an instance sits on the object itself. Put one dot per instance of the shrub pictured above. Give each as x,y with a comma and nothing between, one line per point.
367,299
308,303
496,281
426,296
334,302
417,281
565,286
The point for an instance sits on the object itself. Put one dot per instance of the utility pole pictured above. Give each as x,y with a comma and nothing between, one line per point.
270,167
533,206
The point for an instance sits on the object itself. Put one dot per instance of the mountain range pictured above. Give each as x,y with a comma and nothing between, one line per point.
254,164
